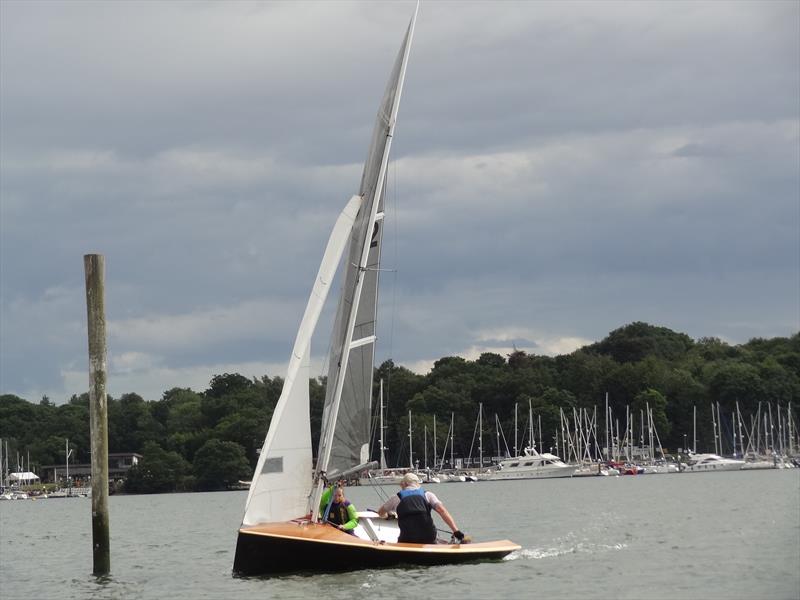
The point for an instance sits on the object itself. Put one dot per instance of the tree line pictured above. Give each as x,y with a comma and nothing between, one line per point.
209,440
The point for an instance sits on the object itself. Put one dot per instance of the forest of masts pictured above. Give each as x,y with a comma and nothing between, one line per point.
766,433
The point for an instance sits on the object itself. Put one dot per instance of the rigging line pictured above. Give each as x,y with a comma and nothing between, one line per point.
390,202
472,444
395,202
378,487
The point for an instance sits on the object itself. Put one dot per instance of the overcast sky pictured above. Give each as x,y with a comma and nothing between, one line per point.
559,169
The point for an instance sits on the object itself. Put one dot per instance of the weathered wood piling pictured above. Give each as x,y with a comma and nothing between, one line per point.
94,267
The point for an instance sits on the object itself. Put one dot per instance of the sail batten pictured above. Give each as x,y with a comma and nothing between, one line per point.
361,342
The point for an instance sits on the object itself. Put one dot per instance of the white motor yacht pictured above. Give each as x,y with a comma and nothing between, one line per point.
699,463
532,465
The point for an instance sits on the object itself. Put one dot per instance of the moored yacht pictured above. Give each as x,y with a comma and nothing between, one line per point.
699,463
660,467
595,470
532,465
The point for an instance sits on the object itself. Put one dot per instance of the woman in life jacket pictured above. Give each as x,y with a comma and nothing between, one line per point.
413,507
341,514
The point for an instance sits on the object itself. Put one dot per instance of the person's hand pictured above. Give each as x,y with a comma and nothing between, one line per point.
458,535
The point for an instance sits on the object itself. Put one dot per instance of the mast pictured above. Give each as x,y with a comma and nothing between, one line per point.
771,428
641,431
410,453
383,448
516,451
435,454
694,429
480,433
608,449
383,134
530,426
627,432
739,423
452,435
425,445
541,439
556,442
714,427
497,432
67,453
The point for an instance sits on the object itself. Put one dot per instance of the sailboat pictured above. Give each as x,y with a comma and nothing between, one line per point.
282,529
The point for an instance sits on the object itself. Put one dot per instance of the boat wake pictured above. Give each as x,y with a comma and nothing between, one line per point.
579,548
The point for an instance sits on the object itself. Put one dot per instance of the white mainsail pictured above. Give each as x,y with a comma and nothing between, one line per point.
344,440
280,486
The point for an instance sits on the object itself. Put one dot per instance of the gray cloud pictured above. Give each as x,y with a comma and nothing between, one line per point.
560,169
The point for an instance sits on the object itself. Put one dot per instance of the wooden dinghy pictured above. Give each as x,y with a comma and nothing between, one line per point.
272,548
287,482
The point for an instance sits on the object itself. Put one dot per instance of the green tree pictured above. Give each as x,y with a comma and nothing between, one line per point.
638,340
658,405
248,428
157,471
733,381
131,424
218,465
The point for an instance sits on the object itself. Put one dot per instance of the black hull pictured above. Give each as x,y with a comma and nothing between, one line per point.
267,555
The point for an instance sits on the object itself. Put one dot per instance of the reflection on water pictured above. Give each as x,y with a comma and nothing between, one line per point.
716,535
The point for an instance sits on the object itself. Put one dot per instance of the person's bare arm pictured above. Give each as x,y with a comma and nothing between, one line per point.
385,509
446,517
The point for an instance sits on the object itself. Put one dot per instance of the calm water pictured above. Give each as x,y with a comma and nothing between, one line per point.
683,536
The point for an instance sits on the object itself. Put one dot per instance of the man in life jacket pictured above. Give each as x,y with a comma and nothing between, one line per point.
341,514
413,507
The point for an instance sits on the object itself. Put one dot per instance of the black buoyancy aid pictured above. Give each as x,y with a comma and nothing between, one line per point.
338,513
414,517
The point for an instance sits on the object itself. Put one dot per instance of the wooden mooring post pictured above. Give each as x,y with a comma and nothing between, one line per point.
94,267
